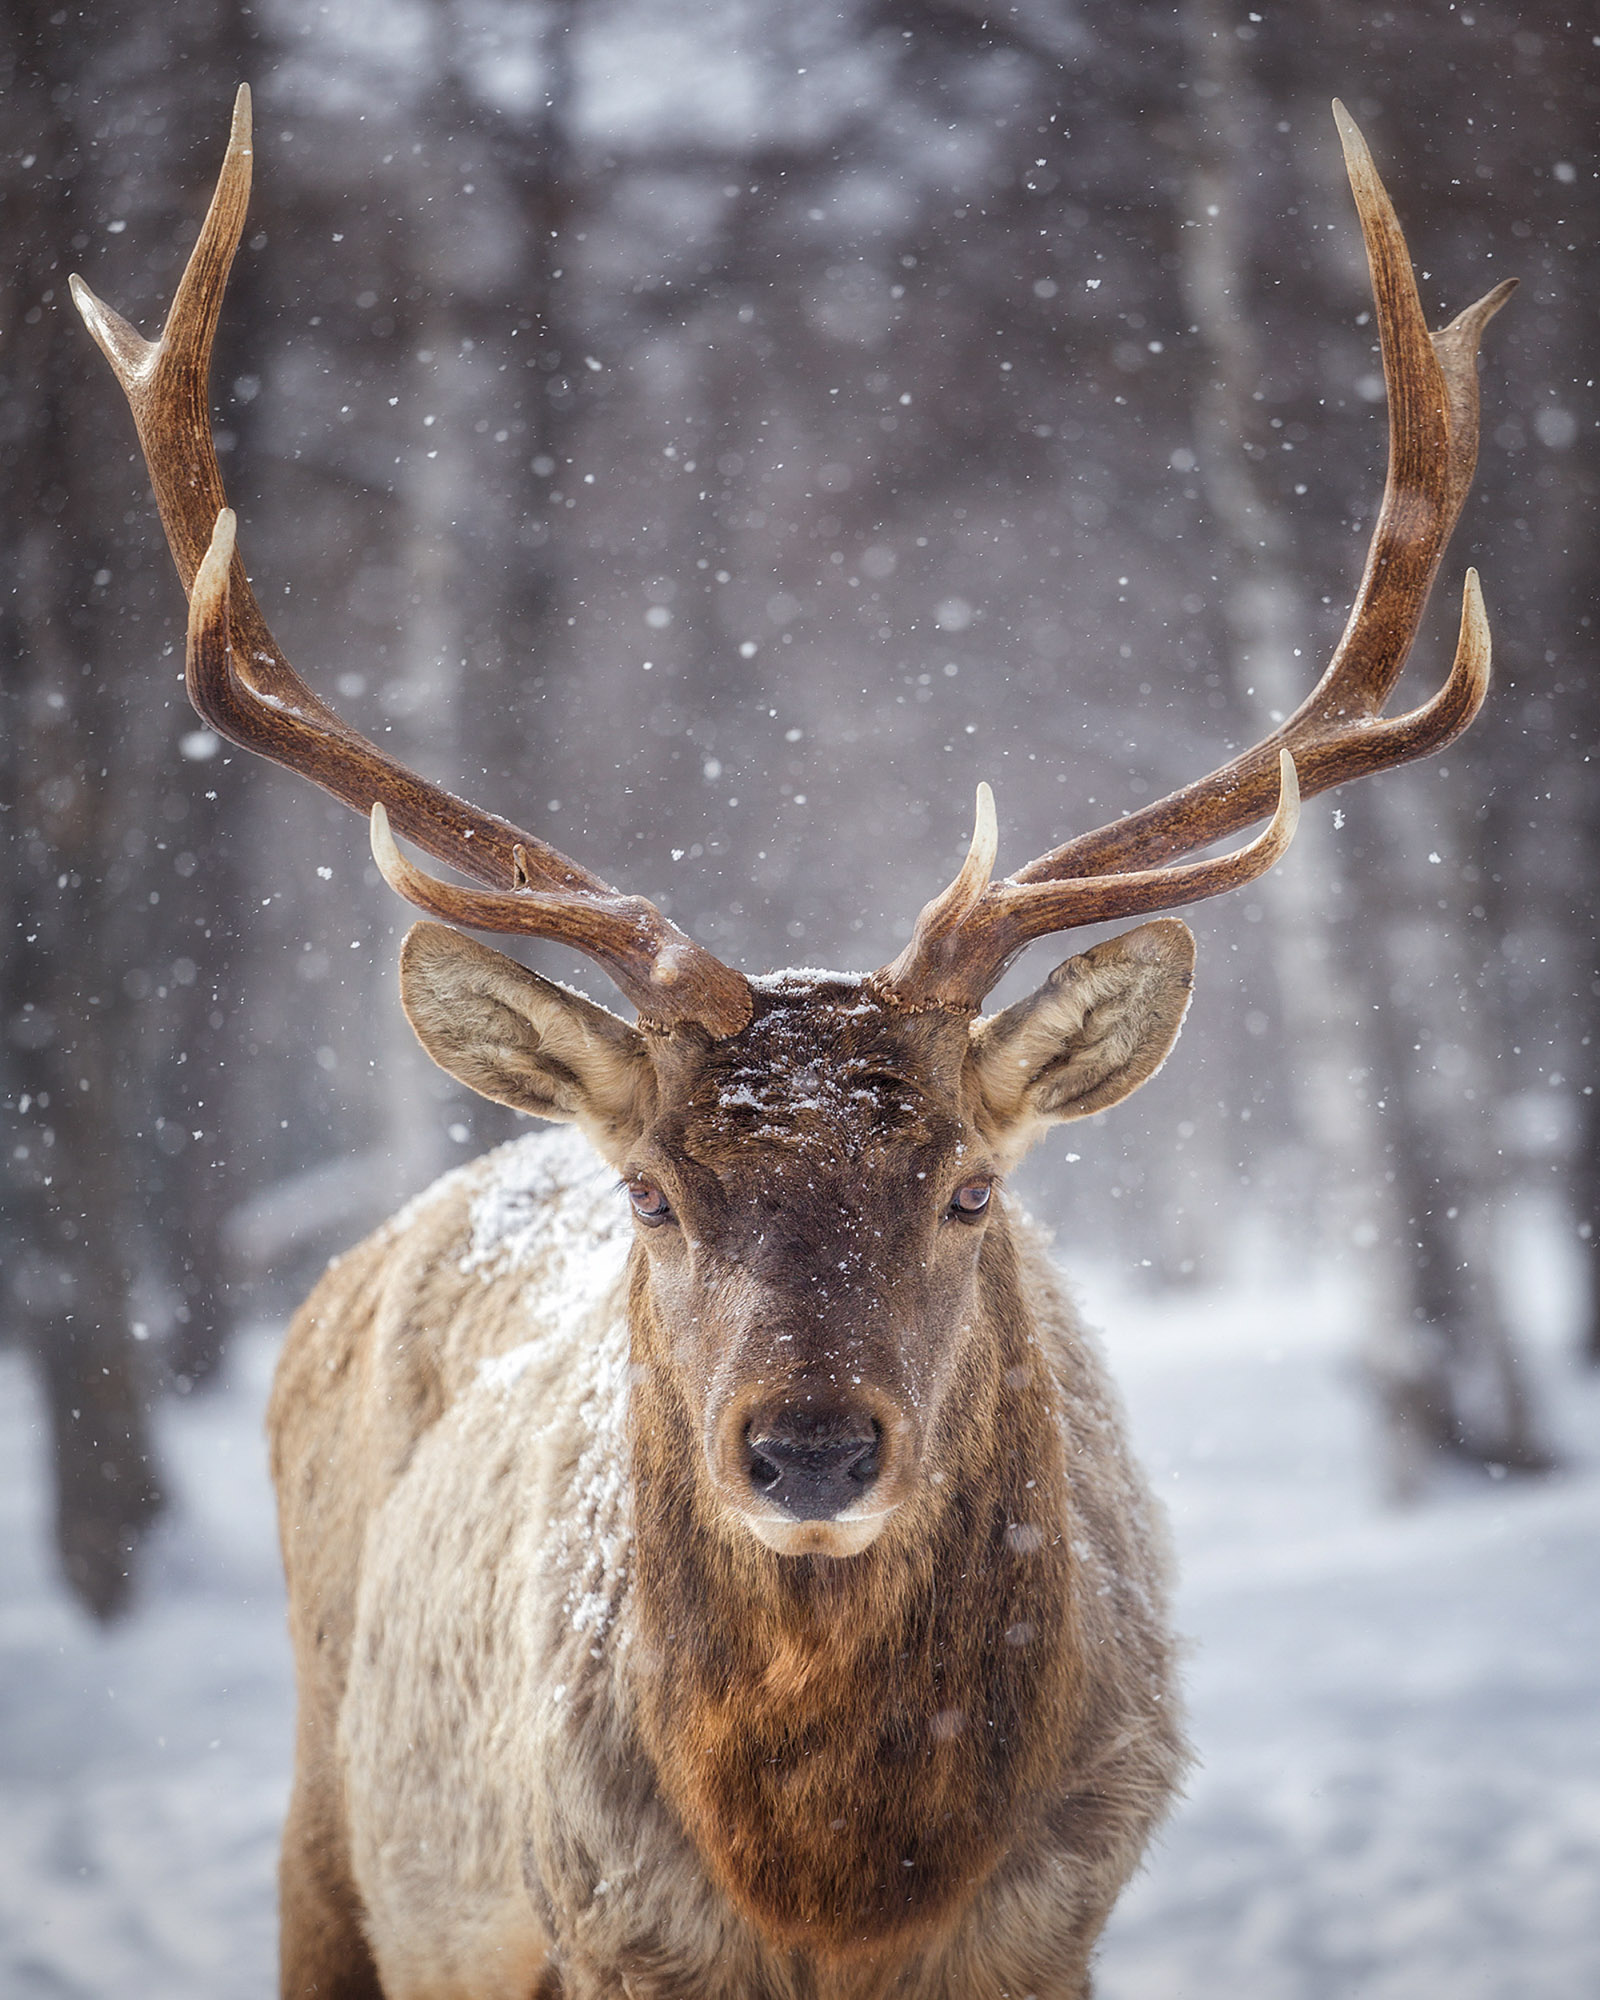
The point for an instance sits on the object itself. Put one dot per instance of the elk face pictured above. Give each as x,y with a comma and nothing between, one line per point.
811,1201
812,1195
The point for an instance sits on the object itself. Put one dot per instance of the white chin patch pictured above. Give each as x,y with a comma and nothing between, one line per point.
847,1535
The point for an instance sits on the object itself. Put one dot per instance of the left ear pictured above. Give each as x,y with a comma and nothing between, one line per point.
1101,1025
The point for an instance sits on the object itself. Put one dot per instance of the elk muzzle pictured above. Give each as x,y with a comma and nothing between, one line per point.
813,1474
813,1467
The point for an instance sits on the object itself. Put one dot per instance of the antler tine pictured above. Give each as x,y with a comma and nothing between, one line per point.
242,684
949,910
958,966
1338,733
1432,385
668,977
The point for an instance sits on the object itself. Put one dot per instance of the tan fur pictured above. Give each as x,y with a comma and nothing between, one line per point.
519,1039
1100,1026
567,1726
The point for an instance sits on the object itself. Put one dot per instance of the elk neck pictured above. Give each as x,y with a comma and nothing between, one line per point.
851,1743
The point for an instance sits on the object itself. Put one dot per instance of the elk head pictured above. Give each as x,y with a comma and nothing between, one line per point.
812,1159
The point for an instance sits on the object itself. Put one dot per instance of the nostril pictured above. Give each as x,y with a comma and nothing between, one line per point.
863,1468
763,1473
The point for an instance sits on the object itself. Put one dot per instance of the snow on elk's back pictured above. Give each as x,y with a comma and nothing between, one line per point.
548,1207
549,1201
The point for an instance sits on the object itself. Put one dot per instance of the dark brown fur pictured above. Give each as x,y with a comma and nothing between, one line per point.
852,1745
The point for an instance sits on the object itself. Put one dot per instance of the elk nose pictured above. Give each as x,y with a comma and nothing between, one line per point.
812,1469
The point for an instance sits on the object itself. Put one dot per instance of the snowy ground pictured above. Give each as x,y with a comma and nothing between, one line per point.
1399,1717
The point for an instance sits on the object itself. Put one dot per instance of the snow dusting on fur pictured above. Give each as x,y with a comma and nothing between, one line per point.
799,979
499,1371
549,1206
594,1545
779,1086
549,1199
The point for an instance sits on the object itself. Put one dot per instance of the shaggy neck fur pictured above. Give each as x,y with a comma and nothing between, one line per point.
850,1743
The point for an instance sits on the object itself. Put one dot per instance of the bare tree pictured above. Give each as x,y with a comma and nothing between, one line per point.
103,960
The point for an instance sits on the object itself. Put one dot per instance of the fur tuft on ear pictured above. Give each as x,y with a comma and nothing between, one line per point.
1101,1025
522,1040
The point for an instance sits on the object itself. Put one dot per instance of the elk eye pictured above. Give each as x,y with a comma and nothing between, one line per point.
649,1203
971,1199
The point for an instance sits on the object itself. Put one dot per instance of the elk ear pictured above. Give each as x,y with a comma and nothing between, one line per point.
1101,1025
522,1040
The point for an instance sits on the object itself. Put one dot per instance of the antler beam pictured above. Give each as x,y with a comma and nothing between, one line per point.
1339,732
242,685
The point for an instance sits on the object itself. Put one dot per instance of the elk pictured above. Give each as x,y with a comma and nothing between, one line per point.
734,1583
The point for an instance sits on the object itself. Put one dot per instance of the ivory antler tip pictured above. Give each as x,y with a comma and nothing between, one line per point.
985,845
1357,153
1475,625
209,592
90,310
123,346
1288,813
391,862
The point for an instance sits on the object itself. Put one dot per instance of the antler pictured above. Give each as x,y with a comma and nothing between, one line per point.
245,689
966,937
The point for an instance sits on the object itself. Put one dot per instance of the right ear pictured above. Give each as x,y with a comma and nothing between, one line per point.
1101,1025
522,1040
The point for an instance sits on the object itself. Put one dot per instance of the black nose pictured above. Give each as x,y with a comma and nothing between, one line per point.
812,1466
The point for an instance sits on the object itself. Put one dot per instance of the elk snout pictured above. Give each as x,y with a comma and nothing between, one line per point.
813,1467
812,1477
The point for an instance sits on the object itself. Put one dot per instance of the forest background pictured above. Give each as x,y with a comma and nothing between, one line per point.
717,436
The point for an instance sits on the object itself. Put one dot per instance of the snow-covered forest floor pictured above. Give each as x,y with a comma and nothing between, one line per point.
1398,1716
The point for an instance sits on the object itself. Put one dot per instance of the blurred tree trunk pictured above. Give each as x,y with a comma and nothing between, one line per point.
1397,1193
1586,1200
89,804
69,797
1434,1032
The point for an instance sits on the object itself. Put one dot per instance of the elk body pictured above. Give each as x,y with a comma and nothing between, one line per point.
734,1584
